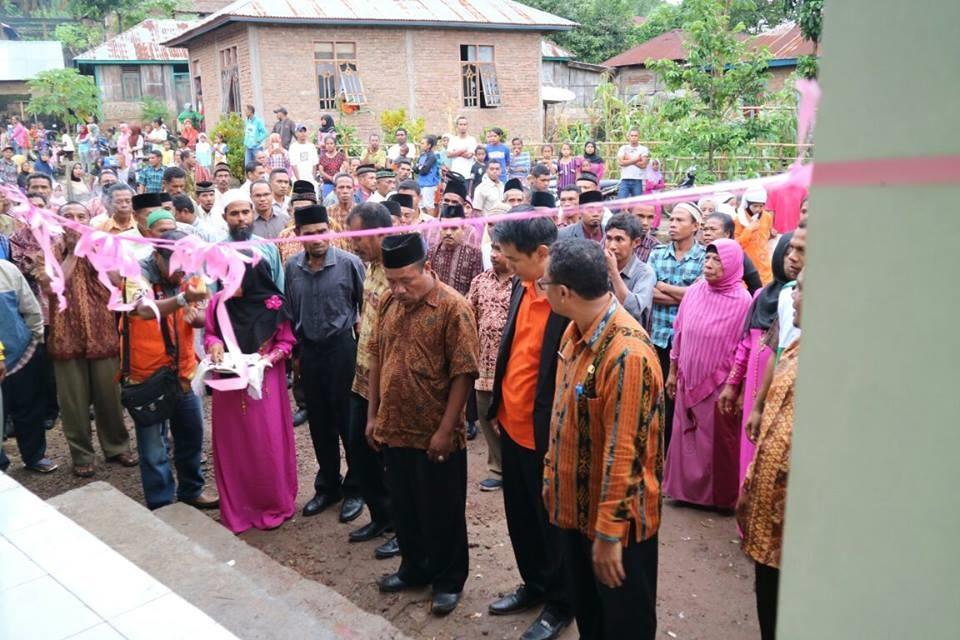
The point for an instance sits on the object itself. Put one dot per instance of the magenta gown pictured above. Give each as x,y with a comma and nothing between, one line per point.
254,452
749,365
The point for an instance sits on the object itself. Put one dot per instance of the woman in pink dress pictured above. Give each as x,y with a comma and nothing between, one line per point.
652,183
702,460
254,453
753,352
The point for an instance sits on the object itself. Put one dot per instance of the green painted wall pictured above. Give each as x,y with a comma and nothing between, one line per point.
873,513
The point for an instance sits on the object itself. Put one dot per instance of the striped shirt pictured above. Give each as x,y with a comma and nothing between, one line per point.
603,469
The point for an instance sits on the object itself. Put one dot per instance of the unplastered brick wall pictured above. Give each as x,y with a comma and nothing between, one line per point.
415,69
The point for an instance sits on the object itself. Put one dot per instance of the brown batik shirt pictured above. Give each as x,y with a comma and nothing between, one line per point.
457,266
420,351
764,497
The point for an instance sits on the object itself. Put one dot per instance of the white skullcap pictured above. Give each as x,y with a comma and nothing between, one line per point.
755,194
723,207
705,199
690,208
236,195
722,196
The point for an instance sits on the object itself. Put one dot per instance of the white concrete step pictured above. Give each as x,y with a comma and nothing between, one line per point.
237,585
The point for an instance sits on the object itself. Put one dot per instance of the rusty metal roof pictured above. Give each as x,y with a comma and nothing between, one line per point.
140,44
666,46
469,14
553,51
784,43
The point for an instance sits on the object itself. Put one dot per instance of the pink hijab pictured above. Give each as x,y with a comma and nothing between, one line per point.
709,326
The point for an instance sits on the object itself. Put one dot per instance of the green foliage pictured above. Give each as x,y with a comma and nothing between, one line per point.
230,126
393,119
606,26
758,15
721,76
78,37
807,67
65,95
137,12
151,109
810,19
126,13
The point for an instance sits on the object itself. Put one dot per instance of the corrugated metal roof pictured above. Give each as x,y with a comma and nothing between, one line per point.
666,46
784,43
478,14
141,43
553,51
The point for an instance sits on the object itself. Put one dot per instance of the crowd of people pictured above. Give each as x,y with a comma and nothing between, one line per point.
610,358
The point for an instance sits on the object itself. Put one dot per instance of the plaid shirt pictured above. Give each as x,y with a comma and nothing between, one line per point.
679,274
151,178
646,247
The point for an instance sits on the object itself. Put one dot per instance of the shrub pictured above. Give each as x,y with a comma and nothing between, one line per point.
231,128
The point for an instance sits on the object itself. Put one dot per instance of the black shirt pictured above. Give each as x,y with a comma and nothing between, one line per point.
327,302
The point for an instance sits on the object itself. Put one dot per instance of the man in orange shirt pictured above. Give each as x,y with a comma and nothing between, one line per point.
522,398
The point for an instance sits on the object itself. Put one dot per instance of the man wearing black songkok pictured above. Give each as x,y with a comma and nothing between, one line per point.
423,361
324,289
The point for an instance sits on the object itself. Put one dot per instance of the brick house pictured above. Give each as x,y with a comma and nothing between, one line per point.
133,66
354,59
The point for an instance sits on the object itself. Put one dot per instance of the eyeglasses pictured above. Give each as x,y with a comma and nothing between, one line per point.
542,283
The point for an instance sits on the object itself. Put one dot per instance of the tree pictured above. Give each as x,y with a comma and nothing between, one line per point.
65,95
810,19
78,37
126,12
721,77
606,26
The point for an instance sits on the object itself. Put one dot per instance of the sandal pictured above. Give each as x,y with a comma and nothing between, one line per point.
84,470
126,459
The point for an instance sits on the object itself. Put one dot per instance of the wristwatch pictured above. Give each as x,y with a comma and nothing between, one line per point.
181,300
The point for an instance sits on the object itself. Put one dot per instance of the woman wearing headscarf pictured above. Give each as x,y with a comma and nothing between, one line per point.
77,188
254,451
591,160
756,346
327,128
123,144
754,229
702,459
653,182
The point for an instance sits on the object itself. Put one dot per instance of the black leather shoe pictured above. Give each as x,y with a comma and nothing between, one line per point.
520,600
351,509
370,531
300,417
389,549
547,626
471,431
444,603
393,583
318,503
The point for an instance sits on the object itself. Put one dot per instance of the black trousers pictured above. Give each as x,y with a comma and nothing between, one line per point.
367,464
25,400
767,586
536,543
327,370
429,509
664,356
471,408
628,612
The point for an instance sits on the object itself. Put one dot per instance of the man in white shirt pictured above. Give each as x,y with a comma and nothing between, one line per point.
303,156
633,159
386,182
394,152
490,190
461,149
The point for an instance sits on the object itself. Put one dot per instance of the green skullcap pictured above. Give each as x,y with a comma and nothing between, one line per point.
157,215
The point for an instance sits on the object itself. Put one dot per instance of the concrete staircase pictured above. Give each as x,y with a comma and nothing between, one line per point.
240,587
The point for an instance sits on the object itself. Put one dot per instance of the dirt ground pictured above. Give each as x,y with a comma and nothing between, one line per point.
705,582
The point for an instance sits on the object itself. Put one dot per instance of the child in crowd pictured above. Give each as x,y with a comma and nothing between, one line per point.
496,150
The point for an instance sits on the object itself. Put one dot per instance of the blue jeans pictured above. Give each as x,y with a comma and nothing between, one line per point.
630,187
249,156
186,425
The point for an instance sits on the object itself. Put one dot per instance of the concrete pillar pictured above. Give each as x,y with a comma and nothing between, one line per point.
872,518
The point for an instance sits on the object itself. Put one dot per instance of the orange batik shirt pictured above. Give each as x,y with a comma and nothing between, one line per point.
605,463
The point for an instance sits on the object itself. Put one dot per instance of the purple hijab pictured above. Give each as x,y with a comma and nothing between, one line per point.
709,326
